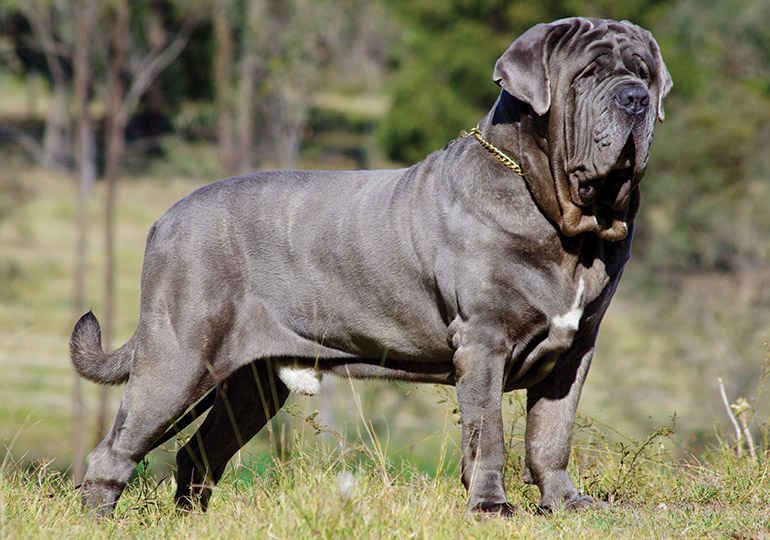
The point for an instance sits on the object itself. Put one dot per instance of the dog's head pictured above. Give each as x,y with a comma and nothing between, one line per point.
600,86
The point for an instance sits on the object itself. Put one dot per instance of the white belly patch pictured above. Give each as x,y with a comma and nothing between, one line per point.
300,380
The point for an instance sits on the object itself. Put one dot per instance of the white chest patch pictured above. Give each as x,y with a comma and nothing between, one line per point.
571,319
305,381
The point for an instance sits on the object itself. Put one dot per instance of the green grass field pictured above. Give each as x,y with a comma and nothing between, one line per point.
360,493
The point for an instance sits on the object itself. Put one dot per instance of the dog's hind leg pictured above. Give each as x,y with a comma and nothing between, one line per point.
151,402
246,401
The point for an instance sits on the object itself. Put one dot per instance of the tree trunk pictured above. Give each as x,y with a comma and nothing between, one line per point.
121,103
223,63
86,170
286,118
256,11
245,158
57,151
116,128
56,136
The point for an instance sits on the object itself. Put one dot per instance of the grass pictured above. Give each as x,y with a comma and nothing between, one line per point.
718,496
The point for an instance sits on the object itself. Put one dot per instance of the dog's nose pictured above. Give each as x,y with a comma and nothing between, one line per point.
633,100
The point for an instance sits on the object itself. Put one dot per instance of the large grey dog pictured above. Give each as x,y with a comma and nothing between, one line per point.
456,270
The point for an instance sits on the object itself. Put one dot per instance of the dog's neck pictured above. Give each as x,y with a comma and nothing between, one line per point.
514,127
518,131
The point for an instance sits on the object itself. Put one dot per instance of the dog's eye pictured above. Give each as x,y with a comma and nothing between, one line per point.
644,72
642,69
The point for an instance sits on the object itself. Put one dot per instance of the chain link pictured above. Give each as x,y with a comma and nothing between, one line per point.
494,150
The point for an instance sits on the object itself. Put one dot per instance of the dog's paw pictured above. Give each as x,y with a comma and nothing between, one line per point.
577,504
490,510
584,502
99,497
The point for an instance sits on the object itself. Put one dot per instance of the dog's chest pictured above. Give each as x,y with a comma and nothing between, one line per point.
562,318
569,321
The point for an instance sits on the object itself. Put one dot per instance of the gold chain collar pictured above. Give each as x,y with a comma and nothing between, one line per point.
494,150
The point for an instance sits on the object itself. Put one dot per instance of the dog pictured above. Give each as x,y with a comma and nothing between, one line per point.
487,266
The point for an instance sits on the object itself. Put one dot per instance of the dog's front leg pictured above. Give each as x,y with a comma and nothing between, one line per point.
479,381
551,409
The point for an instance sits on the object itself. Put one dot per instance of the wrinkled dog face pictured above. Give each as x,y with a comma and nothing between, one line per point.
610,119
600,84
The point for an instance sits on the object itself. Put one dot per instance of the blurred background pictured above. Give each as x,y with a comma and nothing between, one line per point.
112,110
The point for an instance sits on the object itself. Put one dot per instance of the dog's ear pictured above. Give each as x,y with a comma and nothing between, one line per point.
663,78
665,82
523,69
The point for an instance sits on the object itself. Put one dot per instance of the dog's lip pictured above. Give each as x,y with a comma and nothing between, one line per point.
588,185
618,187
621,179
611,188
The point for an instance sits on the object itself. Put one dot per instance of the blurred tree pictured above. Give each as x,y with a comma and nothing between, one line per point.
237,25
223,73
62,30
295,52
254,14
54,32
708,194
86,170
443,72
286,52
134,56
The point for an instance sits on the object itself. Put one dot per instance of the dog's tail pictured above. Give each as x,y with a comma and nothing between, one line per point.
91,362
